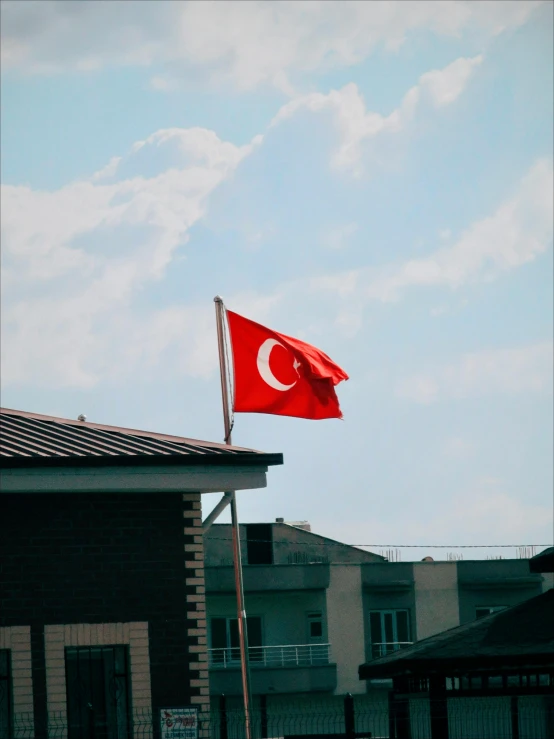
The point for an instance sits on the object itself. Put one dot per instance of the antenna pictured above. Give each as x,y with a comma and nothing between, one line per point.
454,556
392,555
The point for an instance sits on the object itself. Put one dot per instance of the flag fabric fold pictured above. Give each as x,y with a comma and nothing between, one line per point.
281,375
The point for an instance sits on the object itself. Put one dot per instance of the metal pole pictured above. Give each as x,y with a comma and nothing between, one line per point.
221,506
239,585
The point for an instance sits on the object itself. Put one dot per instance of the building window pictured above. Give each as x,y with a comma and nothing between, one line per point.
390,631
482,611
97,692
315,627
5,695
259,543
225,640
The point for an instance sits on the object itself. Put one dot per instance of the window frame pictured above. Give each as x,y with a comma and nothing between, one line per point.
117,730
315,617
383,641
231,650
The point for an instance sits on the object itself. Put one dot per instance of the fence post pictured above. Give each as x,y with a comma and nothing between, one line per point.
349,719
439,707
514,711
392,716
263,716
223,731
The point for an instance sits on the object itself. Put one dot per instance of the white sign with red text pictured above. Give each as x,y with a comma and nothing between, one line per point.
179,723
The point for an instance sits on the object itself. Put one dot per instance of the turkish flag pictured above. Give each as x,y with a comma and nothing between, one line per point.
277,374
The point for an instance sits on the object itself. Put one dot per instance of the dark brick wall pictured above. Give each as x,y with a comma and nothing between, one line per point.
96,559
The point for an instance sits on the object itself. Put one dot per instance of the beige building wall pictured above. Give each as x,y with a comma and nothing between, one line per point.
17,639
436,597
345,626
59,636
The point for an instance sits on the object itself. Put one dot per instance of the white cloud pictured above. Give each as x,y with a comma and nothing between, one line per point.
337,238
202,145
75,258
245,43
163,84
108,171
518,232
514,370
445,85
356,124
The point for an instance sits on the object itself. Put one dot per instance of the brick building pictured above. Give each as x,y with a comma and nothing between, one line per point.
102,594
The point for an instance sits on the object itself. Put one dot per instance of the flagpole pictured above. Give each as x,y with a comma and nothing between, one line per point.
239,585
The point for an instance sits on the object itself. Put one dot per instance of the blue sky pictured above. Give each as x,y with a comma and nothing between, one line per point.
374,178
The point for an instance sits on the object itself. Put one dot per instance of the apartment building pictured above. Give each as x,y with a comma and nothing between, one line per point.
492,677
317,609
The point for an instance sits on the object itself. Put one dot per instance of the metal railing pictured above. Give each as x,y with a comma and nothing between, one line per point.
380,649
283,655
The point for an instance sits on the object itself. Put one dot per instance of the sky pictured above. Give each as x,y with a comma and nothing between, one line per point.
374,178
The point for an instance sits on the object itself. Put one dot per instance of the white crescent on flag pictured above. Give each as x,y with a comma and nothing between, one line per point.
264,369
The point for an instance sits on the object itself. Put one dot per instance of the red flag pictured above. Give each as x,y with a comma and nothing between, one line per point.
277,374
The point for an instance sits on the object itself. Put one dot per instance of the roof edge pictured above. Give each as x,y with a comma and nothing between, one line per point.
254,459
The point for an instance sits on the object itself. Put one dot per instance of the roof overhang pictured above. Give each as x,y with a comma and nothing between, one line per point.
450,667
134,478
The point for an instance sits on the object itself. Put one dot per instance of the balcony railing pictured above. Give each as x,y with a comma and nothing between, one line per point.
380,649
284,655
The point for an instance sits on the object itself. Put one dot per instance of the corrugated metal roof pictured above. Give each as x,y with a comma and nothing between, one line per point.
31,439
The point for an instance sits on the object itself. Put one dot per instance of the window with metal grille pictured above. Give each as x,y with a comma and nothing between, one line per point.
390,631
97,692
6,725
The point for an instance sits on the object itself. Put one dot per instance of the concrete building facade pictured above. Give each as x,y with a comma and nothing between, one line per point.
318,609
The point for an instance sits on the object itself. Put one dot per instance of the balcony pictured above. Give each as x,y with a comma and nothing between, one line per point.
381,649
285,668
284,655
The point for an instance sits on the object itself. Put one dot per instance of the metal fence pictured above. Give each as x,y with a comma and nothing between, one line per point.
331,717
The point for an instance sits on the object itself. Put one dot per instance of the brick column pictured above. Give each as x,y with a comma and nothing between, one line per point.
196,609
